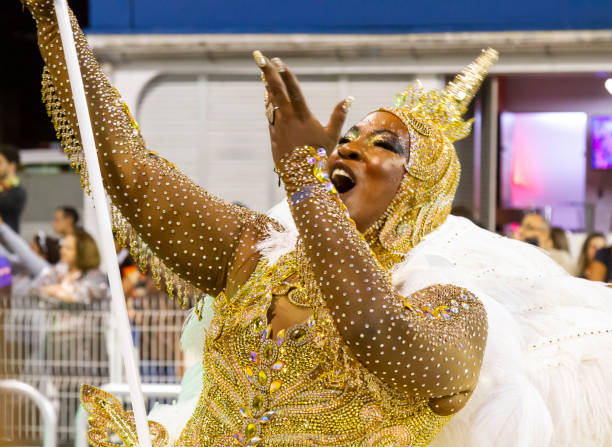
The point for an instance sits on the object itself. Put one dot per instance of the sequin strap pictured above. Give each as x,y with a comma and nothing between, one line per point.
108,415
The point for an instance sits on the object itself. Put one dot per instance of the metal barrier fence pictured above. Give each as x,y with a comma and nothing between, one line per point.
47,412
55,349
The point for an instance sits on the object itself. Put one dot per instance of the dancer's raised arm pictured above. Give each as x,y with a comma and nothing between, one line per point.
428,345
186,233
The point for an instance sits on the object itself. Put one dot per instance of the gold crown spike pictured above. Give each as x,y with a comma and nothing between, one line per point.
465,85
434,110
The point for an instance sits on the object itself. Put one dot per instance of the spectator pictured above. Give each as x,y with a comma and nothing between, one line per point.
559,239
592,243
12,194
46,247
601,267
76,278
27,261
65,221
534,229
24,257
6,280
558,248
131,277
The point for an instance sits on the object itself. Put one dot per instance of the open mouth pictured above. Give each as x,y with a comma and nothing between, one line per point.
342,180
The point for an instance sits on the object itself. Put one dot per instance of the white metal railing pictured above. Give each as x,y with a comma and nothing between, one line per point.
56,349
47,411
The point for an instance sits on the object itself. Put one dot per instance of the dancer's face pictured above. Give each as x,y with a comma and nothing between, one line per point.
367,166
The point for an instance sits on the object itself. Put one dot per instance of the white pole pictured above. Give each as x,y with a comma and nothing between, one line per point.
103,216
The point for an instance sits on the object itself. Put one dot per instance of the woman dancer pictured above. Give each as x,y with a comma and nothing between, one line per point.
319,344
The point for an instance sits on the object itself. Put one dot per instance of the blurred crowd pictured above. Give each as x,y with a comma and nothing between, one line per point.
62,271
593,261
63,268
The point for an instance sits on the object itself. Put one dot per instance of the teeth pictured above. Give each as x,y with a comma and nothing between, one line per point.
342,172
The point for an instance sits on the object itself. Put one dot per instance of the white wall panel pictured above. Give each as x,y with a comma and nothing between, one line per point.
172,121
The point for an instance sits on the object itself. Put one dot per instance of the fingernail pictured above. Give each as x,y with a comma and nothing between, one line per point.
259,58
348,102
280,65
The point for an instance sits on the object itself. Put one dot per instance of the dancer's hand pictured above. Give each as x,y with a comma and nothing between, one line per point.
291,122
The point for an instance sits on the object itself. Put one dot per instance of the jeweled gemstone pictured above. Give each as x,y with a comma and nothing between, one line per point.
268,352
277,365
251,430
298,335
262,378
249,373
258,325
258,402
253,441
266,417
275,385
280,338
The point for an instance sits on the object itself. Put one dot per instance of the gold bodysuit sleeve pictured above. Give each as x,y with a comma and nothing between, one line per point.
428,345
189,238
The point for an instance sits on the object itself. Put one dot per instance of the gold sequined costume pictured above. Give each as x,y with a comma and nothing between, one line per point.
366,366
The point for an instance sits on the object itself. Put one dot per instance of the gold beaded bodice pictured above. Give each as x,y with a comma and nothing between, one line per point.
286,389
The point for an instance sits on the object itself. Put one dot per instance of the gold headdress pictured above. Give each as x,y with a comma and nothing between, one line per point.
434,121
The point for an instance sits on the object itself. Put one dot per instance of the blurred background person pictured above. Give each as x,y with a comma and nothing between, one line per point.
76,278
45,246
535,230
12,194
600,268
557,248
131,276
6,281
590,246
65,221
27,261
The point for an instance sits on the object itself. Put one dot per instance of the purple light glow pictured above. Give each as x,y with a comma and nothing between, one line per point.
601,142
